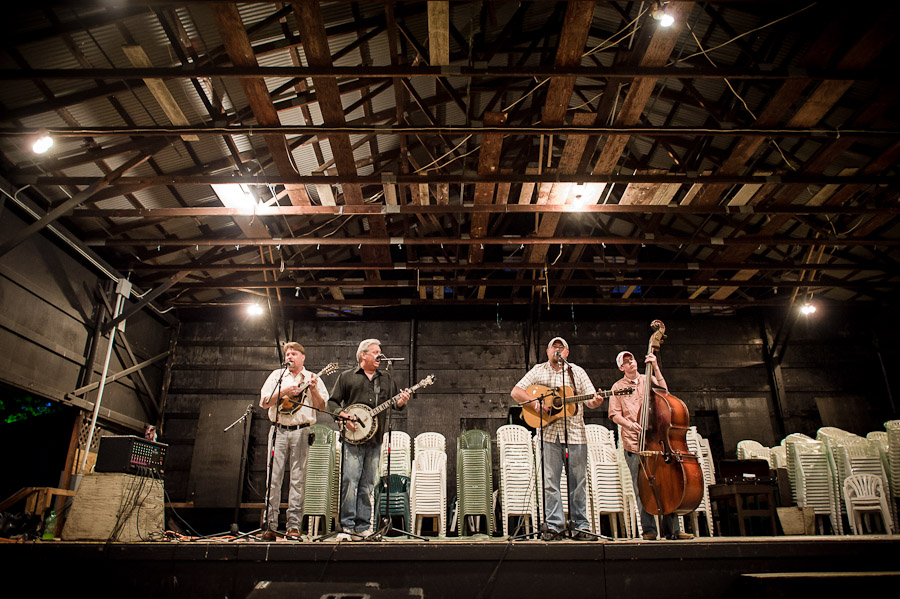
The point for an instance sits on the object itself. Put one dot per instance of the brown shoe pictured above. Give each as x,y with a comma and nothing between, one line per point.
682,536
269,536
293,534
649,535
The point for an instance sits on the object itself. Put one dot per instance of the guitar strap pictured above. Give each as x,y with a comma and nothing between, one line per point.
574,388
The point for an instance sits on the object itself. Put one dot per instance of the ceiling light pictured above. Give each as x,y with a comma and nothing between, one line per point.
807,309
236,196
254,310
43,143
661,14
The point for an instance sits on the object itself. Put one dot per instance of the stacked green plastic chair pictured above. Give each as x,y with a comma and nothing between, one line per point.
474,479
399,498
322,478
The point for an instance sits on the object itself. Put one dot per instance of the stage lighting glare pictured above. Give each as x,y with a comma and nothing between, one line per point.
807,309
254,310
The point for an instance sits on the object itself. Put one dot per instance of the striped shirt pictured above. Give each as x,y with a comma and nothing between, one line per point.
544,374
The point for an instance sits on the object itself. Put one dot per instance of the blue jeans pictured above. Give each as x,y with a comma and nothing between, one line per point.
360,468
554,459
648,521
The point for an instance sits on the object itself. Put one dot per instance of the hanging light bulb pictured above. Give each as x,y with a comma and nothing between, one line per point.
43,142
661,14
254,310
807,309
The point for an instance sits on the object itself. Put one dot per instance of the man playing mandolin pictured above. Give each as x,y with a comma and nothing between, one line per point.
366,385
300,387
624,410
554,374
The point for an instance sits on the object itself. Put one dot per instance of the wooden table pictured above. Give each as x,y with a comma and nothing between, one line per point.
745,500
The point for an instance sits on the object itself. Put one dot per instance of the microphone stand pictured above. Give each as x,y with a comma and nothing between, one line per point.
569,527
276,392
388,525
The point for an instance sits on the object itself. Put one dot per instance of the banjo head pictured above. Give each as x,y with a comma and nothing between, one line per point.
364,431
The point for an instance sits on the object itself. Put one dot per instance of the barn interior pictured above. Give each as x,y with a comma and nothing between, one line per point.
188,185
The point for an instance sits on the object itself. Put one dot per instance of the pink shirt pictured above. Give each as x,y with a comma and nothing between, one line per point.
625,409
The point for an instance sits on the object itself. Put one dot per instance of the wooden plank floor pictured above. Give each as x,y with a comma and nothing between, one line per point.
712,567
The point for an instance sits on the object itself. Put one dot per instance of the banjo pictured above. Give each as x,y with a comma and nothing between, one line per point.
367,424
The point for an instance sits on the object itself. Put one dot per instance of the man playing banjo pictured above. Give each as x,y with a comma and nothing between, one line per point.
366,385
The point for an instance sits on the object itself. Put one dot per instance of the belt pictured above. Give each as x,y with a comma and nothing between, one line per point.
295,427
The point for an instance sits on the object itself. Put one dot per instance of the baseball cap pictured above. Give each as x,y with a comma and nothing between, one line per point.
560,339
621,357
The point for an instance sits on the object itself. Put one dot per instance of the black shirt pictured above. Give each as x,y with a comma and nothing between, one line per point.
353,386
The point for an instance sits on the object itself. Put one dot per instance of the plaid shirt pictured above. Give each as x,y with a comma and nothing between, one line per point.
544,374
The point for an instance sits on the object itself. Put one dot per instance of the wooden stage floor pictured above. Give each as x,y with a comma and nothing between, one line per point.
454,568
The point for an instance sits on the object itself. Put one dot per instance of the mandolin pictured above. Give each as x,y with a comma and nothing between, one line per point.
535,418
289,405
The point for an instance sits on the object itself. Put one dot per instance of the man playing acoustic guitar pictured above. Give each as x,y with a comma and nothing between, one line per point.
554,374
296,385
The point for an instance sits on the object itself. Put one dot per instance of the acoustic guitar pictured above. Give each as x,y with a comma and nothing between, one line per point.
531,411
289,405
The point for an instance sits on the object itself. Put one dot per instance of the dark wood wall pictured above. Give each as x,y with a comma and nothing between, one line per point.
716,365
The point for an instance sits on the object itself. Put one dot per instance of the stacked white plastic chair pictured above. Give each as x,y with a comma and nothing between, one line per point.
429,481
893,431
753,450
425,441
778,457
518,477
429,489
812,481
695,446
857,455
832,437
865,493
539,473
879,440
605,496
401,458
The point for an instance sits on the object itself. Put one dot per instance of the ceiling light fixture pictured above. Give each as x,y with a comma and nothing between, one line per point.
43,143
254,310
661,14
237,196
807,309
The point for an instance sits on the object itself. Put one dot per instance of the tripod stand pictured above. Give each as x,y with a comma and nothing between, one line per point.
540,527
245,419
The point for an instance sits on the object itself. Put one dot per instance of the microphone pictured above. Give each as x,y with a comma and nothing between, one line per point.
380,358
559,355
287,364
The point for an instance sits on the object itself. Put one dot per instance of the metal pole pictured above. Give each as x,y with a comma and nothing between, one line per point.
123,290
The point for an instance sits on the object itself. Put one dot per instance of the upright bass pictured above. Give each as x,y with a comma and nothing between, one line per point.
670,480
